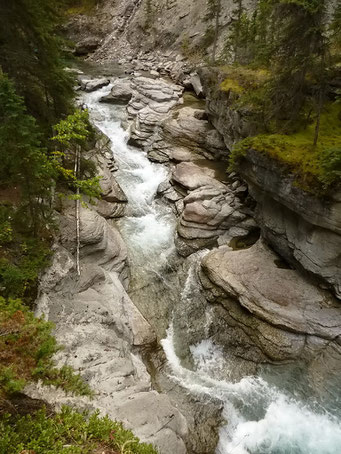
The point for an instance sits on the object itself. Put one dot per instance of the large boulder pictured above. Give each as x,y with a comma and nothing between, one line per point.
151,103
273,313
120,93
87,45
210,213
93,84
189,129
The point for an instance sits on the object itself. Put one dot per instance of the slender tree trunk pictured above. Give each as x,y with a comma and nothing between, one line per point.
76,173
216,31
318,120
321,95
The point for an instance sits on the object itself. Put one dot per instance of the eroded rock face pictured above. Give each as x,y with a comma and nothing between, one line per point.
113,200
186,129
102,331
120,93
151,103
209,212
273,313
304,229
233,123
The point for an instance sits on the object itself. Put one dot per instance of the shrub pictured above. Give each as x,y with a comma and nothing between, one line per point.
68,432
26,350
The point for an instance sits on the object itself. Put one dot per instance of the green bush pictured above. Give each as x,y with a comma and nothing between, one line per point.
68,432
26,351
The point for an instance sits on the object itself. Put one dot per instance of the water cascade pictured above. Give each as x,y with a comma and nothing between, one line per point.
262,419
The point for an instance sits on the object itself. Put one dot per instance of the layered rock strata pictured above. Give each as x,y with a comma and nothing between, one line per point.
303,228
273,314
210,212
101,329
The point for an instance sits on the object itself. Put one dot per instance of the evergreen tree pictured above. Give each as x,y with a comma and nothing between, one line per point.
300,55
24,162
30,53
213,15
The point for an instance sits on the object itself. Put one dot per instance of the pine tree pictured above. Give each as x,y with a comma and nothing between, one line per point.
300,52
24,162
30,53
213,15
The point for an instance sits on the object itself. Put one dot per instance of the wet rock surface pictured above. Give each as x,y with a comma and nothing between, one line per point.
273,313
120,93
102,332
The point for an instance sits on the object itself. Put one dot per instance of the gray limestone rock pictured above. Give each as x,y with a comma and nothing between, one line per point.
120,93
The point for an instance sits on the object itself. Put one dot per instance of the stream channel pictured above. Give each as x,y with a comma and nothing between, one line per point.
264,415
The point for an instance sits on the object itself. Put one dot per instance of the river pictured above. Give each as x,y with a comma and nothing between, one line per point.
263,417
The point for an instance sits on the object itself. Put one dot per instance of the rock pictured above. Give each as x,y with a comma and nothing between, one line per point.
113,200
279,296
191,176
94,84
187,129
121,92
197,85
151,102
102,331
209,210
303,228
87,45
273,313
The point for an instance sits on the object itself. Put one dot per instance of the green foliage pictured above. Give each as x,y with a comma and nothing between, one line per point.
316,168
231,85
68,432
24,161
64,378
20,264
81,6
75,129
32,56
71,135
291,37
26,350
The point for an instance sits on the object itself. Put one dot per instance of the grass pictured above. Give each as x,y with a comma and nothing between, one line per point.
67,432
314,167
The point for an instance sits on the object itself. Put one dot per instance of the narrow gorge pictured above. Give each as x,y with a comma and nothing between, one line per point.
191,347
197,293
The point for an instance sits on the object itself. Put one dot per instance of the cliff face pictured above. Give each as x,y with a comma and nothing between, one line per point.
302,228
126,27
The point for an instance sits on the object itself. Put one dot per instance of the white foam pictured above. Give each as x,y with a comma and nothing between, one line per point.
261,419
149,226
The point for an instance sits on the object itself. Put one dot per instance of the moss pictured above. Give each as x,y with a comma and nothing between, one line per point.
67,432
316,167
231,85
81,7
244,77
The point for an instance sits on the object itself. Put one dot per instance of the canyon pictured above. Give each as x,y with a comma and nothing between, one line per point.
207,314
